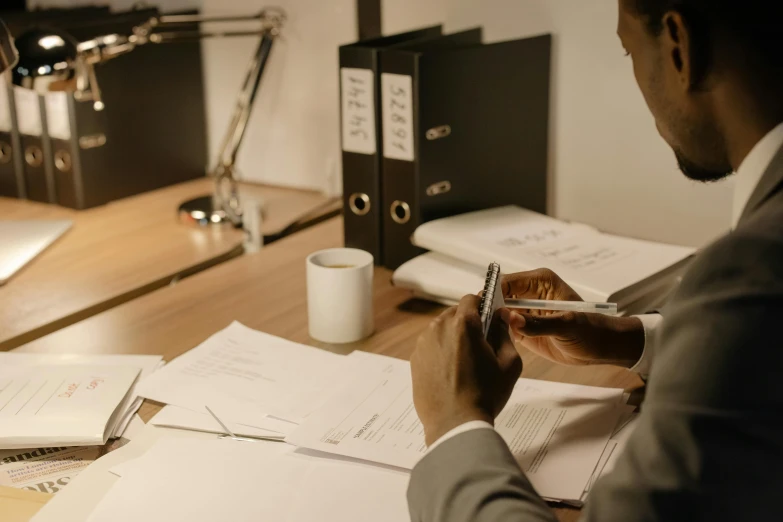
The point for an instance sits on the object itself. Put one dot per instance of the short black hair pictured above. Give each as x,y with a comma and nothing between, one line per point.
753,25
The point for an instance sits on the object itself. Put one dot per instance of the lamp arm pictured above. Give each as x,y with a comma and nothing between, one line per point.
226,196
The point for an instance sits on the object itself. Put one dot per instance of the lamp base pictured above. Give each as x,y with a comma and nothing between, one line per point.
201,212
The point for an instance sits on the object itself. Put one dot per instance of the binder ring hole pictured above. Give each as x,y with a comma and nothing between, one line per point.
6,152
437,133
33,156
400,212
359,203
62,160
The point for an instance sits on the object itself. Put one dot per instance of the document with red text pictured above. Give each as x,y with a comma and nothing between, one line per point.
55,405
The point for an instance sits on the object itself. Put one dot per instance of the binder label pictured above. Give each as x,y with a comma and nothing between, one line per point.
28,112
6,124
397,96
57,119
358,103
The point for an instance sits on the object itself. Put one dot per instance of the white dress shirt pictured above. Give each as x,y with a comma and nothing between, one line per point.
747,178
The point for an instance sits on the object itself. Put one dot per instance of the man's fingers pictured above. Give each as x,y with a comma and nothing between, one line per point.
528,284
547,325
537,284
468,305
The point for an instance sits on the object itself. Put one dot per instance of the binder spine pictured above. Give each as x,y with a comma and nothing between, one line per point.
11,184
399,101
361,149
29,115
64,160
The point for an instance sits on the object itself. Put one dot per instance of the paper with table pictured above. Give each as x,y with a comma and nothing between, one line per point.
556,431
246,376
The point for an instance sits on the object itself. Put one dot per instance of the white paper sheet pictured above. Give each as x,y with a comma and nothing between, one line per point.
182,418
253,481
244,376
557,432
45,405
78,500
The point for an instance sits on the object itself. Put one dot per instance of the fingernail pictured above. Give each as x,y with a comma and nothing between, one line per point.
517,320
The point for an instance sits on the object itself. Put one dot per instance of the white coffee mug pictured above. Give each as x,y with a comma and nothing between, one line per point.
339,295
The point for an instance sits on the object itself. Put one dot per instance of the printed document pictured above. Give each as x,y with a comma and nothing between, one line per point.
557,432
245,376
59,405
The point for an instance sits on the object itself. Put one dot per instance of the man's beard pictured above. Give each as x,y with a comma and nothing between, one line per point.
698,173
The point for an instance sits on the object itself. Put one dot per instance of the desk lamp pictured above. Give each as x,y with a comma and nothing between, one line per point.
51,60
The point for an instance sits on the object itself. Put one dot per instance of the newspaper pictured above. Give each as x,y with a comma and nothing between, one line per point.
49,470
46,470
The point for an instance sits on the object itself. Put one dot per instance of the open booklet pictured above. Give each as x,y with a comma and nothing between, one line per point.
557,432
62,405
600,267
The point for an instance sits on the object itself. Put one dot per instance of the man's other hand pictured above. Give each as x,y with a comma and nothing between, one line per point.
570,338
458,376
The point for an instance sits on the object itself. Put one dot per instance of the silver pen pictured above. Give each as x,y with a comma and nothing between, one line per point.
563,306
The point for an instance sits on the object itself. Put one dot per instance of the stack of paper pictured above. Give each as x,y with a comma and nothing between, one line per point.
62,405
260,384
50,470
558,432
146,364
635,274
355,426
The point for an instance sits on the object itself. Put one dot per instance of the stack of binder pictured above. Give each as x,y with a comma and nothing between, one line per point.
152,133
436,125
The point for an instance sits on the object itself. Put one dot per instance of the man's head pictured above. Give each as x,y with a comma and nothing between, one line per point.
691,58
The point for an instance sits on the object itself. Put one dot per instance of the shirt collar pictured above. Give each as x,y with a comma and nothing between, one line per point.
752,170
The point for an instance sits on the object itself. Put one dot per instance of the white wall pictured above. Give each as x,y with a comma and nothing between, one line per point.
610,167
293,134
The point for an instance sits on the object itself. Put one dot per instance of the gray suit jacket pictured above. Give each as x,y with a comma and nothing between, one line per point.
709,441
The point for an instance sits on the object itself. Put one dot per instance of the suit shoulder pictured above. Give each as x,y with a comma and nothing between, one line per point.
750,257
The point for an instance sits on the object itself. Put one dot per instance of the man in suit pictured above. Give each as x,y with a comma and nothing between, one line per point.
709,440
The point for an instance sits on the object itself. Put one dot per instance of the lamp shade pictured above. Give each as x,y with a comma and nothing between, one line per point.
48,61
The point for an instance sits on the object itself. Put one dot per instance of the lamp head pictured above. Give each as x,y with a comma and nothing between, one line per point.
8,54
48,61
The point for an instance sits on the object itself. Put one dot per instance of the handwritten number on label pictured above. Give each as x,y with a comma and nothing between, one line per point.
358,111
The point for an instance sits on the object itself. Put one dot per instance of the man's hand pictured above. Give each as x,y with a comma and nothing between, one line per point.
458,376
570,338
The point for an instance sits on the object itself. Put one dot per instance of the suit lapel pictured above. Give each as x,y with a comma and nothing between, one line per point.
771,182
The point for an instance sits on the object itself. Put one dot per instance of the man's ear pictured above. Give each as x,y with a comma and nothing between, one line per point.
678,48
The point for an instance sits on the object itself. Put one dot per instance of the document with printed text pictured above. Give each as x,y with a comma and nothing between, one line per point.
557,432
246,376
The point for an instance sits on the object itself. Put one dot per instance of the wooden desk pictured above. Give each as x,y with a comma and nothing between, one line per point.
266,291
120,251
